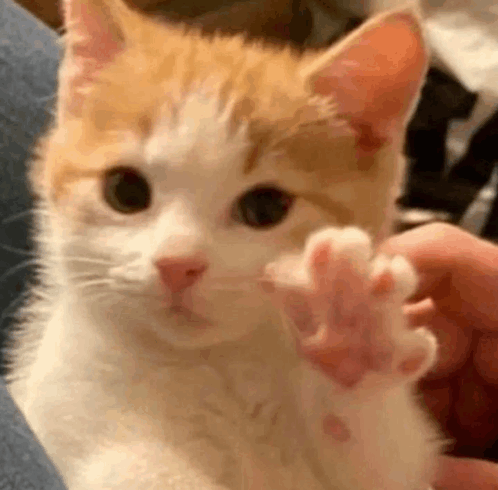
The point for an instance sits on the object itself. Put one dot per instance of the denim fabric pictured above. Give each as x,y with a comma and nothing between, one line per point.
29,56
28,64
23,463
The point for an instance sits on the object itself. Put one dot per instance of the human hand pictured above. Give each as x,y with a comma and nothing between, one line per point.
459,273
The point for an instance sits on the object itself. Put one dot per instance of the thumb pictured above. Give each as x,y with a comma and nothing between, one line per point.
462,474
437,251
458,270
434,248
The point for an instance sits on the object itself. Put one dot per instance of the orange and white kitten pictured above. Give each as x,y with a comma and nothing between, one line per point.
211,313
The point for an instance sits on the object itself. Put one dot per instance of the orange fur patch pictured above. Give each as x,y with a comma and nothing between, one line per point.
161,64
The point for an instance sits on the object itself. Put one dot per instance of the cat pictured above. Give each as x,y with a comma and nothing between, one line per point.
211,312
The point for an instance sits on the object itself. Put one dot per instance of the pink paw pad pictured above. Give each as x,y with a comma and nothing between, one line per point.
383,284
335,427
346,315
350,341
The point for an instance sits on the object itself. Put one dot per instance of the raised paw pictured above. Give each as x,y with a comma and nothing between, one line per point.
347,307
393,280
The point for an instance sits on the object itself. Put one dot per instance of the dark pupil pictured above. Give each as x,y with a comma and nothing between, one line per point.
263,207
126,190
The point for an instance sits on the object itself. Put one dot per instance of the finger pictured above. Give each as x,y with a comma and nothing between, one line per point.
436,251
454,346
463,474
421,313
439,400
457,270
438,235
475,417
435,248
486,358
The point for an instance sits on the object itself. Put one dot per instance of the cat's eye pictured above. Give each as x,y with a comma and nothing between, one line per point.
126,190
262,207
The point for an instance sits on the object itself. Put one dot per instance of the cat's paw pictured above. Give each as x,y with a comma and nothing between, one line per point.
414,351
347,307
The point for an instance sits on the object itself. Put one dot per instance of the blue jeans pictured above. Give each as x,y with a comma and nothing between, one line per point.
29,57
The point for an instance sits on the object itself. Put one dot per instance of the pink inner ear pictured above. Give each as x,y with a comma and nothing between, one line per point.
96,32
376,78
93,41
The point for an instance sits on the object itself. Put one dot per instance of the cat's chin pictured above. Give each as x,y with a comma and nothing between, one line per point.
184,329
182,337
187,318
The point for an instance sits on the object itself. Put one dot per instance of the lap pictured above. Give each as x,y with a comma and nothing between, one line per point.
29,56
23,463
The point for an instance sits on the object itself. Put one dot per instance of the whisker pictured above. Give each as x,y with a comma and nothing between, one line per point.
90,260
11,313
18,251
11,310
14,217
18,267
247,287
96,282
100,295
135,294
116,296
235,284
82,276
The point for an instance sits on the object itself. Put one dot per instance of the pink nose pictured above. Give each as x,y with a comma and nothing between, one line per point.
179,273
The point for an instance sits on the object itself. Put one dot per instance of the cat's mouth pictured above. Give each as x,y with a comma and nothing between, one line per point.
184,315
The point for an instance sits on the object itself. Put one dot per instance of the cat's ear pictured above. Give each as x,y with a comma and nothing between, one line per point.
374,76
96,31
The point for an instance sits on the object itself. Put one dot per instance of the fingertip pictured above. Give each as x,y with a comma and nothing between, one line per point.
460,473
486,358
420,313
433,246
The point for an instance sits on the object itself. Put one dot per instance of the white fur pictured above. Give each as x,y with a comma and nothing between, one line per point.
123,396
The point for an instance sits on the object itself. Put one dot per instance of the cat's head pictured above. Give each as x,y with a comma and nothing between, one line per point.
180,165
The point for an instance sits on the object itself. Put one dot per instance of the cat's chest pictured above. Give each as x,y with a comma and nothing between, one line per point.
245,399
240,422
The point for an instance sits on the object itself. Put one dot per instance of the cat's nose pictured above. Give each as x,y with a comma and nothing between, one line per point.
179,273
